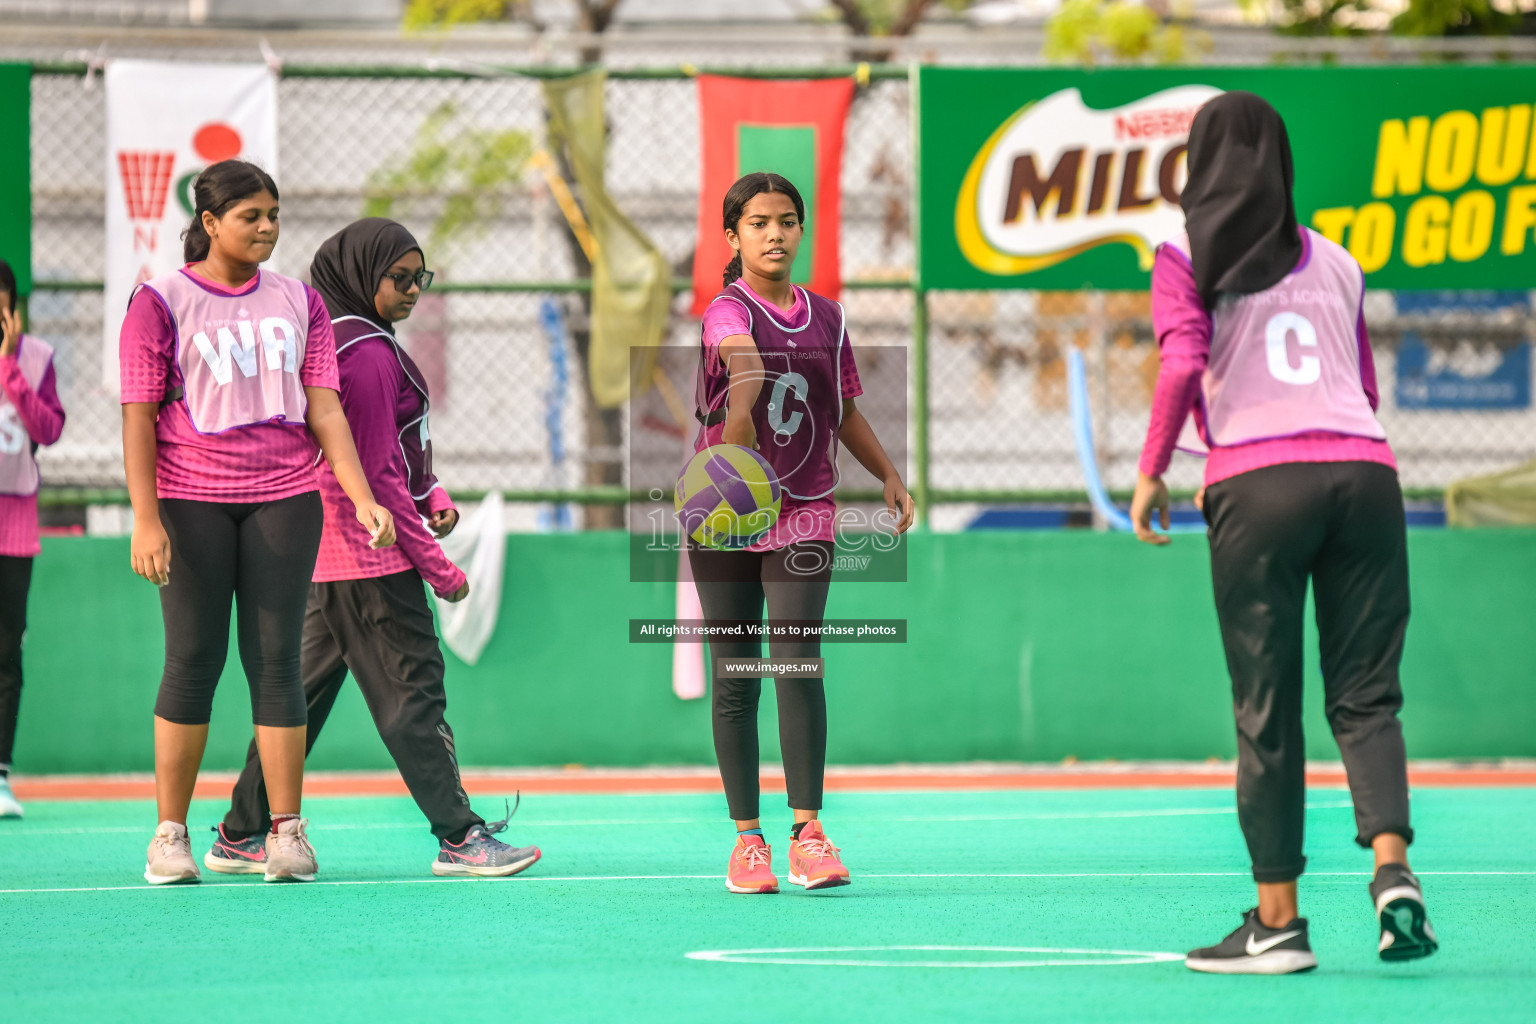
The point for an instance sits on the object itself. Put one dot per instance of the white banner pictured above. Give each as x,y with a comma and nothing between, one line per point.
165,123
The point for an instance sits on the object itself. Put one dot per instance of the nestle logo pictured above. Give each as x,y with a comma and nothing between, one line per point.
1154,124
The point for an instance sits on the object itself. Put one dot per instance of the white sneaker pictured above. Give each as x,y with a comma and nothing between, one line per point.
290,858
10,807
170,856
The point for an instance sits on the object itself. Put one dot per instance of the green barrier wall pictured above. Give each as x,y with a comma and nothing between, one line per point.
1022,646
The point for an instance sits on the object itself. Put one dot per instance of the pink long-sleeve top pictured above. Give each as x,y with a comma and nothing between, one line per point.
1183,329
42,415
812,519
379,401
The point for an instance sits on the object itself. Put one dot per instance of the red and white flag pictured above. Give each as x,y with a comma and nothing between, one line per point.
166,122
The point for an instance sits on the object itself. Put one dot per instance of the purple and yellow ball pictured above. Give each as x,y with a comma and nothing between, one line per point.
727,497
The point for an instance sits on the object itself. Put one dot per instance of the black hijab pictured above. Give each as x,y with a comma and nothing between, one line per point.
349,266
1237,204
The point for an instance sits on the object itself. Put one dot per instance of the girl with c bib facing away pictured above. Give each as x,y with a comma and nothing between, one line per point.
1262,331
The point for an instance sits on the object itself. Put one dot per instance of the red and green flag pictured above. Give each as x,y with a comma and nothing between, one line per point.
790,128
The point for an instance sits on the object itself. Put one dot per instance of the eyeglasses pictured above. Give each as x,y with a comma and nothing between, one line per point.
421,279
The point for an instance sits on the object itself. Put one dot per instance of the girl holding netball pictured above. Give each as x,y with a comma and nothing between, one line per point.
777,375
1262,334
30,415
367,607
229,393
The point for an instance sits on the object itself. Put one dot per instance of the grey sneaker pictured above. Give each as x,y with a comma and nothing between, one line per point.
228,856
482,854
10,807
170,856
290,858
1405,930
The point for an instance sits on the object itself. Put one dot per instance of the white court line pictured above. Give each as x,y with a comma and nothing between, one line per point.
379,826
671,878
1163,874
374,881
1064,957
637,822
1066,815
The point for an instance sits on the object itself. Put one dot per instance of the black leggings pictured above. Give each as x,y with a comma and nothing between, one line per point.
262,555
1341,524
15,581
732,588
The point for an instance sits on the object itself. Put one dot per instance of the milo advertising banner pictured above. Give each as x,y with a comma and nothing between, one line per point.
1062,179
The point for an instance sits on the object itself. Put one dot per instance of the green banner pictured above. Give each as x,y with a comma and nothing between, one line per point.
16,172
1062,179
790,151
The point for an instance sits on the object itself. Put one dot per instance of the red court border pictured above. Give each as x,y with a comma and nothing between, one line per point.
598,781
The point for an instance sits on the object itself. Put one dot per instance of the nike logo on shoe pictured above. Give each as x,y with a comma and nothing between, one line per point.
1255,948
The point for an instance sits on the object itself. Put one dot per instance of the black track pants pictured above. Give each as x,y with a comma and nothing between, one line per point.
1340,524
382,630
733,586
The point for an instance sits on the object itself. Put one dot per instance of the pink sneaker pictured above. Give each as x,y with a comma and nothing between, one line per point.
751,868
813,860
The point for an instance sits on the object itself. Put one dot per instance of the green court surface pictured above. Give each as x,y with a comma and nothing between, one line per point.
1028,895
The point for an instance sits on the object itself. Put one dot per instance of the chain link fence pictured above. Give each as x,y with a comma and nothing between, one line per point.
509,398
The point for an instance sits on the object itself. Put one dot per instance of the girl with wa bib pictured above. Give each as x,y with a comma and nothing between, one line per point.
777,375
1262,333
30,415
229,391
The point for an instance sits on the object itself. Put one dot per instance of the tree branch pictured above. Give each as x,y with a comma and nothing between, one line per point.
597,14
911,16
853,16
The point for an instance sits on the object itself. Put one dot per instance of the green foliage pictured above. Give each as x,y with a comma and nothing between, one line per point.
882,17
1321,17
422,14
1419,18
1088,31
1454,18
1126,29
467,167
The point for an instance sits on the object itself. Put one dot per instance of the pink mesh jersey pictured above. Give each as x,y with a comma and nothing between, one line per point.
800,519
230,426
238,361
1286,360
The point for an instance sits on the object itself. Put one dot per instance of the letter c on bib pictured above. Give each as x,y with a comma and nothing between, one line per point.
776,403
1280,325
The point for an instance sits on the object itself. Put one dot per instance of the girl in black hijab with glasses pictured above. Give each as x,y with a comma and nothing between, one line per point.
1261,328
368,610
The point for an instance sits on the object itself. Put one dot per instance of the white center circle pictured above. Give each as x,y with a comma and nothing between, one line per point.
937,956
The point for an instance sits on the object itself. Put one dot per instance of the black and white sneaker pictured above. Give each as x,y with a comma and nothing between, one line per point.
1405,930
1255,949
